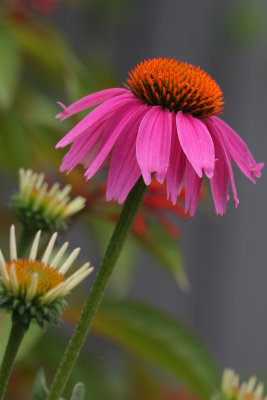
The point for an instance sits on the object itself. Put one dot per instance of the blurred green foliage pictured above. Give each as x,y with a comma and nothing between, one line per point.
245,22
159,338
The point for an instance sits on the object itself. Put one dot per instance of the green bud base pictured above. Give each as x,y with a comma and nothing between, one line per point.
35,220
24,311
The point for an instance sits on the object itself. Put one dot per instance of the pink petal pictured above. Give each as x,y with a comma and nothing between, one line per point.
81,147
89,101
196,143
89,157
176,169
220,181
101,113
225,153
239,150
111,132
124,170
192,189
153,143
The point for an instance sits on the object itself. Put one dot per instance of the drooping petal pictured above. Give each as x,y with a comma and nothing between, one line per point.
124,170
221,179
81,147
196,143
176,169
225,153
153,143
239,150
111,133
192,189
99,114
92,154
89,101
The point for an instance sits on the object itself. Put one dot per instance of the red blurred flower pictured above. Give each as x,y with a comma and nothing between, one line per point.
156,204
181,394
23,7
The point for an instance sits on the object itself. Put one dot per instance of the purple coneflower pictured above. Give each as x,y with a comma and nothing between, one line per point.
164,122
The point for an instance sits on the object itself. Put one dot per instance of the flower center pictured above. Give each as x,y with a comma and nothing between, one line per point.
177,86
48,277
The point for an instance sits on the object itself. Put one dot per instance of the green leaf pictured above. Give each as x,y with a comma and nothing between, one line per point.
13,137
9,66
78,392
167,250
46,49
159,338
246,22
40,390
96,375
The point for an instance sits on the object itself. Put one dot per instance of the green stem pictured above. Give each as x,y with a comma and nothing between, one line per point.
113,251
14,341
26,238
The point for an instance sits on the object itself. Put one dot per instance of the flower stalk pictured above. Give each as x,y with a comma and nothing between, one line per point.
129,211
14,341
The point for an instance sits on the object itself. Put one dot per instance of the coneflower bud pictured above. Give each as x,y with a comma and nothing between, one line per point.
33,288
38,207
233,390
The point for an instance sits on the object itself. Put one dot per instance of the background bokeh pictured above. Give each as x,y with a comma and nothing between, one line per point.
85,46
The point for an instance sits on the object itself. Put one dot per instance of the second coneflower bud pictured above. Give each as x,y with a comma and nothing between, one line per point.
39,207
34,288
232,389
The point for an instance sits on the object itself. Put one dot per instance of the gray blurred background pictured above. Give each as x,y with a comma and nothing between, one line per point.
225,256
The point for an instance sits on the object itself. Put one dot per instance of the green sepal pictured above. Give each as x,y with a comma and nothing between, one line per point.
35,220
78,392
40,389
25,311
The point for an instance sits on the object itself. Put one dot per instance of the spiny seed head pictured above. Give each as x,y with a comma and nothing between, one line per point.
176,85
35,289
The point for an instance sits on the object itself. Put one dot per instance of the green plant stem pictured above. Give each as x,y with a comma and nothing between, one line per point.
26,238
14,341
113,251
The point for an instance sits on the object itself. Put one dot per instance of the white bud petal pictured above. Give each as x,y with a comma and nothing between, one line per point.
49,248
34,249
64,268
13,246
59,255
33,287
14,280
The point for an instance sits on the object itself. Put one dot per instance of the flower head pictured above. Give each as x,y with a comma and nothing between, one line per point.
33,288
232,390
164,122
38,207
